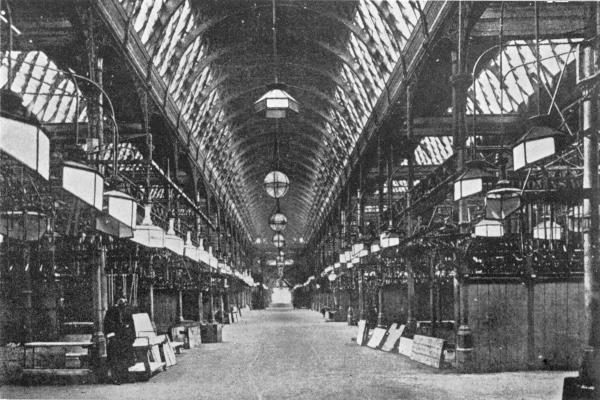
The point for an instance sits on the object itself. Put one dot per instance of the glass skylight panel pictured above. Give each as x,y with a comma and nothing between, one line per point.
520,78
153,10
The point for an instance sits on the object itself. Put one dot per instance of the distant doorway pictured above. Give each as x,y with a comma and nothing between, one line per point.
281,295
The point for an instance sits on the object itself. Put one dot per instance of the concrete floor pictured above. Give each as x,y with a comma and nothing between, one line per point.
294,354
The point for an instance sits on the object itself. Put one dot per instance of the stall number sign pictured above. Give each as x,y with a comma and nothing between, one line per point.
361,335
427,350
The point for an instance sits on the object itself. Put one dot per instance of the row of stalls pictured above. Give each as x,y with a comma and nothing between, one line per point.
83,223
490,250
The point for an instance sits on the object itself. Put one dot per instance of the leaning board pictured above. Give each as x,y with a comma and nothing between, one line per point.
427,350
169,353
377,338
393,337
361,334
405,346
194,336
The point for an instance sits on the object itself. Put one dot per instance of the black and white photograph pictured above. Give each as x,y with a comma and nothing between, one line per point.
299,199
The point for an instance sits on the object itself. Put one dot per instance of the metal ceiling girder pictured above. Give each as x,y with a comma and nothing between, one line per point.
401,172
556,20
485,125
299,206
224,104
196,70
330,75
211,22
255,121
311,161
249,110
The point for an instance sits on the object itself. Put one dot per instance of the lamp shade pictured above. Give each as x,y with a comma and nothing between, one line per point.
332,277
278,222
539,142
278,240
147,234
348,255
489,228
120,215
502,201
276,184
122,207
84,183
357,248
27,144
375,247
547,230
23,225
276,103
389,239
472,181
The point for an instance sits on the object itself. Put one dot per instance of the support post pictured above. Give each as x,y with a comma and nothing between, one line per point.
432,304
98,337
590,369
27,291
180,304
200,306
460,82
411,321
212,303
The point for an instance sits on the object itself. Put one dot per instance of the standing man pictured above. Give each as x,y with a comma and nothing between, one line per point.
120,334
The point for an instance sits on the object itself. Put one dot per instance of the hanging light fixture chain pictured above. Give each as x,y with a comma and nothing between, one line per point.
275,57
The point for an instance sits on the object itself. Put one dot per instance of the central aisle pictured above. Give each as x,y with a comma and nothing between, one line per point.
291,354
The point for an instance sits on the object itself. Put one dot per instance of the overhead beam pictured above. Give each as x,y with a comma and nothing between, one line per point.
485,125
401,173
556,20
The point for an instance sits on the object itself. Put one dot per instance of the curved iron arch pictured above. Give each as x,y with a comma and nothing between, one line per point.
210,23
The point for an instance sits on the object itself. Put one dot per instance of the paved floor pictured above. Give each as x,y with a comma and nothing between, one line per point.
294,354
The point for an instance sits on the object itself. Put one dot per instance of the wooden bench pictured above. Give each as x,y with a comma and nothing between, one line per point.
76,331
144,329
144,368
31,370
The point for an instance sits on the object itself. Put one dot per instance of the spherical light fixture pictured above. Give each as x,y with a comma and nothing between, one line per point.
278,222
276,184
278,240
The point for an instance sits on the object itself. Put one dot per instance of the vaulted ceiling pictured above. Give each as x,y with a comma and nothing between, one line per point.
214,59
217,58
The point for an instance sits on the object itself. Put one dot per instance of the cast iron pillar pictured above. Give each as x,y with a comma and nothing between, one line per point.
460,82
180,304
200,306
411,321
590,369
361,292
98,337
380,315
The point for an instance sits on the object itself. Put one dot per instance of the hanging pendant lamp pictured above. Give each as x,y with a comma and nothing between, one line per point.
277,220
278,240
276,103
276,184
